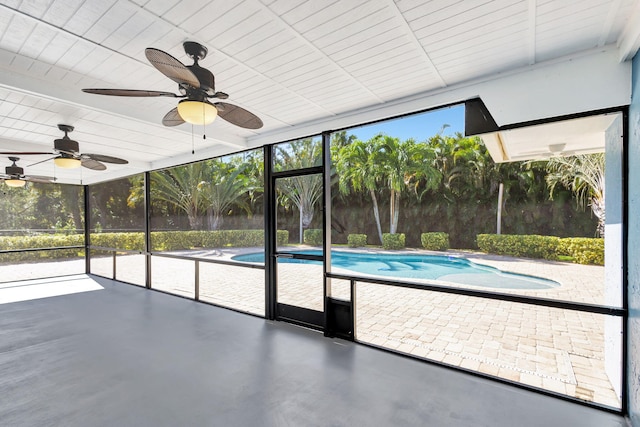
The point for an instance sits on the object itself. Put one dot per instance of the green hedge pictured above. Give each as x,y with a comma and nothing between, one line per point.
531,246
435,241
175,240
313,237
160,241
357,240
40,241
581,249
132,241
393,241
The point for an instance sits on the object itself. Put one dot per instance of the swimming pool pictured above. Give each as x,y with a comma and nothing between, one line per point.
436,267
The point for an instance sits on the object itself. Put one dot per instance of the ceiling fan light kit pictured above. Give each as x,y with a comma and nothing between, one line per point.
197,112
15,183
67,162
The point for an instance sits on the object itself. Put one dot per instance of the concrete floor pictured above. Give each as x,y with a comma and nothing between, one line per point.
127,356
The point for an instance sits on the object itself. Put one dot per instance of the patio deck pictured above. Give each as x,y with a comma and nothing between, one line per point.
554,349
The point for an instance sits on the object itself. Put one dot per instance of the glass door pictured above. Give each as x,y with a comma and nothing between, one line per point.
299,254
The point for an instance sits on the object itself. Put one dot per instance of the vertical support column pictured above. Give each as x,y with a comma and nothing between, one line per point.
87,230
625,260
353,308
326,222
270,235
196,291
147,229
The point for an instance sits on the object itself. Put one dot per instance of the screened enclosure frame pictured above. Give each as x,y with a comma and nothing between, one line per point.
270,242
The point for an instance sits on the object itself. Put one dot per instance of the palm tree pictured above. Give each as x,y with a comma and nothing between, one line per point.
303,191
403,165
225,187
584,175
181,187
357,170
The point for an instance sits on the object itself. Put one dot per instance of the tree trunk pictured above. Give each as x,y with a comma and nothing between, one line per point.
71,200
195,222
394,213
376,214
300,208
102,213
214,219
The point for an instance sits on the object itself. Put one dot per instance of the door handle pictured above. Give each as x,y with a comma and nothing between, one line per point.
284,255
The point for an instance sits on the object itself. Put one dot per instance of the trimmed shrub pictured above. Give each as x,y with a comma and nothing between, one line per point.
282,237
583,250
176,240
313,237
40,241
357,240
393,241
435,241
132,241
531,246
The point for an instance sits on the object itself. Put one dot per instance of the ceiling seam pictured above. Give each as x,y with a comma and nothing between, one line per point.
409,33
629,41
608,22
56,28
317,50
531,30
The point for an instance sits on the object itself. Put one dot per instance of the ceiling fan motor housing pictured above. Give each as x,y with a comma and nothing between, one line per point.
66,145
205,77
14,170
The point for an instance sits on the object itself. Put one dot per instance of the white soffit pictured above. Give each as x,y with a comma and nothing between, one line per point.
584,135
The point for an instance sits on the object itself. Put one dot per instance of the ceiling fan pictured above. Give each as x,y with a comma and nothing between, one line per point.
196,84
14,175
553,150
67,154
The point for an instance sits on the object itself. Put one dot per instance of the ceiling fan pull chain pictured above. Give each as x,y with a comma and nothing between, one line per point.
193,144
204,123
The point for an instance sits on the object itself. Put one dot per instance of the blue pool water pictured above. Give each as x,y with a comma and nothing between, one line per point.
437,267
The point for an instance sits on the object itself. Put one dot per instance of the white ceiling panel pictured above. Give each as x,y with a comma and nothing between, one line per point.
291,62
59,13
87,15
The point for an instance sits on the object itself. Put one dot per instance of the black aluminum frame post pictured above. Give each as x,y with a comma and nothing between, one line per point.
326,224
270,235
147,229
87,229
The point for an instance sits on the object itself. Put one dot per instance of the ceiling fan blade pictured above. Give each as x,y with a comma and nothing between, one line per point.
38,178
42,161
25,153
220,95
172,118
130,92
171,67
238,116
103,158
93,165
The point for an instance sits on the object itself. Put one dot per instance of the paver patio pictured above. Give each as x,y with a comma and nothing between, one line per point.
554,349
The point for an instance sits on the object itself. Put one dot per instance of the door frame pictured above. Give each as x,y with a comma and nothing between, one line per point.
284,312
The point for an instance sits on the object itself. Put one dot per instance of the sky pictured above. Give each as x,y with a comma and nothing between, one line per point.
418,126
